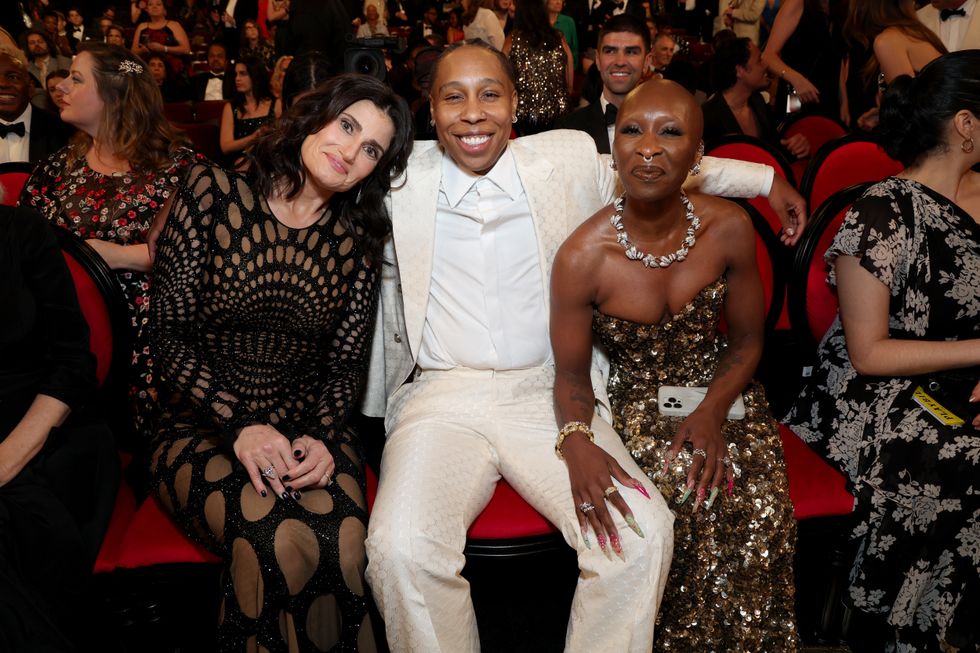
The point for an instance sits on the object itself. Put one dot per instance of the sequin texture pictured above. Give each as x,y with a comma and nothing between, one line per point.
542,96
731,579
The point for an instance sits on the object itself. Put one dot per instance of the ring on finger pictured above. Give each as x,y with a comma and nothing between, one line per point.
610,490
700,452
726,461
269,472
586,507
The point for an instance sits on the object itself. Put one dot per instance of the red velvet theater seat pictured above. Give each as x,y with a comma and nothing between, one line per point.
818,131
816,488
843,162
13,177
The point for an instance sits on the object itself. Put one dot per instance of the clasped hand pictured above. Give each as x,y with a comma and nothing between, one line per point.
286,467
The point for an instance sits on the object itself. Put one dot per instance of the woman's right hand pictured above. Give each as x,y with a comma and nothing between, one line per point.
709,462
804,88
261,448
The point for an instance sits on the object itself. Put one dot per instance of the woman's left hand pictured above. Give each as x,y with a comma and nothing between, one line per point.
316,464
122,257
153,46
975,397
709,461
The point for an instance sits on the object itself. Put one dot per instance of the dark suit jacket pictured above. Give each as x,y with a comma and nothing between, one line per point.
48,135
591,120
199,84
720,121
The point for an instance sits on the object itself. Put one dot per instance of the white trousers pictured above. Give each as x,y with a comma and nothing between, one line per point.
451,436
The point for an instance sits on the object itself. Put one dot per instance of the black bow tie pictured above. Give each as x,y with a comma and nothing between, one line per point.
611,112
13,128
946,14
217,75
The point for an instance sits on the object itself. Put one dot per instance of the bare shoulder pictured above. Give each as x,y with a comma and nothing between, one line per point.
584,248
726,219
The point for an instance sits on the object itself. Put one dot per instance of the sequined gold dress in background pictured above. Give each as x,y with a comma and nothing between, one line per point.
542,92
731,579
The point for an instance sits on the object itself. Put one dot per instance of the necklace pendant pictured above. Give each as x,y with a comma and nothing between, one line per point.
649,260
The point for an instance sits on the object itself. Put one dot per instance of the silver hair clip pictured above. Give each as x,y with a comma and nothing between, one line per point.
128,66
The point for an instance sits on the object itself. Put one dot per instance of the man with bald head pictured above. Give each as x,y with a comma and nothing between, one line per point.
26,133
463,372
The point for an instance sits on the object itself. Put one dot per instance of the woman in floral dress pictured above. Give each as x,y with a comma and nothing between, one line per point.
907,267
117,173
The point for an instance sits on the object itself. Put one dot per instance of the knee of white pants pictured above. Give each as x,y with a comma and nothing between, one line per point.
395,549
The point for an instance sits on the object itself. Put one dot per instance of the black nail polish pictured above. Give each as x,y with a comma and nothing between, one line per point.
297,495
285,477
289,488
264,493
298,453
284,495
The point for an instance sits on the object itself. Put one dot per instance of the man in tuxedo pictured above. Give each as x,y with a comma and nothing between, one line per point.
464,317
42,58
955,22
213,84
26,132
622,55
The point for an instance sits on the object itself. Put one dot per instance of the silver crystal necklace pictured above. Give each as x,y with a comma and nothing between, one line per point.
649,260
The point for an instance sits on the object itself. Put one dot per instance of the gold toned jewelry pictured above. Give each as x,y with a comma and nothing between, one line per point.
568,429
967,145
612,489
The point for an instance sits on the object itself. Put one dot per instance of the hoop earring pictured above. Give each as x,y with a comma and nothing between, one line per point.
967,145
513,119
696,168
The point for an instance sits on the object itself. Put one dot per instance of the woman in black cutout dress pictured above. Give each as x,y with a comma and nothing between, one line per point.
263,310
730,586
252,107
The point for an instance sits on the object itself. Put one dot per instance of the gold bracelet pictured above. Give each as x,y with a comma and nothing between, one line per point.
568,429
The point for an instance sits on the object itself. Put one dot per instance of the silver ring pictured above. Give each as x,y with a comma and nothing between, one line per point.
647,159
700,452
269,472
726,461
586,507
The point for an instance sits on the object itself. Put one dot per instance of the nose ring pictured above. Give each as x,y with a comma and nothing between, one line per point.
647,159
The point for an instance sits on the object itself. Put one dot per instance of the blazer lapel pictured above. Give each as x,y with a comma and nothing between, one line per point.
600,131
413,229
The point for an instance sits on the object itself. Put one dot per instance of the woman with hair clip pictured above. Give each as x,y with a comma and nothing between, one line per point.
113,177
544,66
263,311
892,403
252,107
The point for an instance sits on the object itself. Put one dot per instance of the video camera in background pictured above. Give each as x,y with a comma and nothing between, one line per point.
367,56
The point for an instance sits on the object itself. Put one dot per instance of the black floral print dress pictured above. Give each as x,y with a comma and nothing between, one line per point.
916,479
118,209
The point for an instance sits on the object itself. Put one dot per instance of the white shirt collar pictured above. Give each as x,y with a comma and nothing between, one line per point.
457,182
24,117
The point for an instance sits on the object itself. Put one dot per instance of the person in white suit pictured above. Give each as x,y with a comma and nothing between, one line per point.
956,22
464,318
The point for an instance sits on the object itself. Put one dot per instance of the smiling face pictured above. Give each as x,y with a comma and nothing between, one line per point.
473,105
658,130
15,88
621,58
753,74
83,104
346,150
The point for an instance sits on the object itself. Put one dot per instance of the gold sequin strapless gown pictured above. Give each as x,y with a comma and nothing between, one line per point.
731,579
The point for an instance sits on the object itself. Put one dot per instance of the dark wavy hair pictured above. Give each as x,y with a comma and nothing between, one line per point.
259,74
730,53
22,41
915,111
867,19
133,124
532,22
628,24
277,167
305,72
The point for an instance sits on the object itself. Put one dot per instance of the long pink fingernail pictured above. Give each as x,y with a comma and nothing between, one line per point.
642,490
602,544
700,499
617,547
731,487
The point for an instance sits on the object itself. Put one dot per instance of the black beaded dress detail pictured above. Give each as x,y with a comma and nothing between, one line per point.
255,322
731,580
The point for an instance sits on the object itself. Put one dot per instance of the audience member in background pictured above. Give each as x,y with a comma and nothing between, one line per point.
170,86
102,25
115,35
54,93
58,464
805,52
278,72
565,25
166,37
29,134
737,106
664,316
955,22
662,53
906,263
623,53
107,184
52,21
373,24
741,16
216,82
254,46
77,32
543,65
305,73
398,13
479,22
454,26
503,10
428,26
252,107
255,456
42,57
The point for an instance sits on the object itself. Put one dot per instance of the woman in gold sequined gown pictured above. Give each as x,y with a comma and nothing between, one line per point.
731,583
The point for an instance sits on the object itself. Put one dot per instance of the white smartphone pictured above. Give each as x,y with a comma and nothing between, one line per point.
679,401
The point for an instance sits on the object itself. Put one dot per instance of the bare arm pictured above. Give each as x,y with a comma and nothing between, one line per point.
230,144
864,303
787,20
569,65
123,257
28,437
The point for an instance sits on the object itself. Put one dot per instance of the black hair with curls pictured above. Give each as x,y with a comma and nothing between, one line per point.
276,161
915,111
261,90
729,55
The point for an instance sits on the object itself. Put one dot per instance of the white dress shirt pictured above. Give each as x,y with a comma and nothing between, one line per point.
952,31
13,147
486,307
215,89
